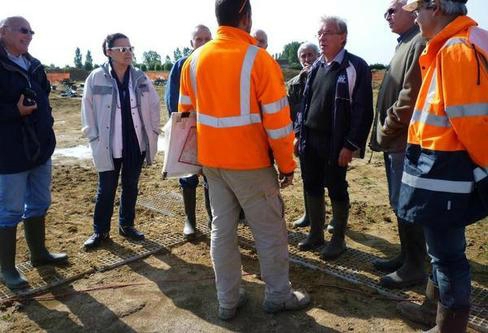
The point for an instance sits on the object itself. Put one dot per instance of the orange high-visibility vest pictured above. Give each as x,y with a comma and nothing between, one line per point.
451,113
446,162
238,92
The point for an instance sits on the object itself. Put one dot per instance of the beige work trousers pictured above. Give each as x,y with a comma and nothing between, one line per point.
258,193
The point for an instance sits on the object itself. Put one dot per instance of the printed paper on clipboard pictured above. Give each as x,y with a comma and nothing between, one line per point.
189,152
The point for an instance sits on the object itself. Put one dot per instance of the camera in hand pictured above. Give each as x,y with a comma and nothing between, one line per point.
29,97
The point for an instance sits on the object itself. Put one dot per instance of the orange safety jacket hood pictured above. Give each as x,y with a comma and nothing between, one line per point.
238,92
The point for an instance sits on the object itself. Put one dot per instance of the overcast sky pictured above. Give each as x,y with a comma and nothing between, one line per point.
163,25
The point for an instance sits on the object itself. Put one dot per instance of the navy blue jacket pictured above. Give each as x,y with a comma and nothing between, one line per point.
25,142
352,111
172,93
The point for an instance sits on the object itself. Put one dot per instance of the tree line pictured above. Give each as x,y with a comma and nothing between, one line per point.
152,60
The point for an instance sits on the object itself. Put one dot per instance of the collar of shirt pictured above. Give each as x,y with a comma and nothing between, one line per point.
413,30
19,60
338,58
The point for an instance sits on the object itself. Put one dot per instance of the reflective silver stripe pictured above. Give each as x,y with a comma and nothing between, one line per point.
102,90
193,70
424,115
430,119
480,173
227,122
280,132
454,41
246,79
431,92
185,100
274,107
437,185
471,110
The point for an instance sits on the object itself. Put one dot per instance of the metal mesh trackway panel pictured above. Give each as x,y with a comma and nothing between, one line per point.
354,265
159,236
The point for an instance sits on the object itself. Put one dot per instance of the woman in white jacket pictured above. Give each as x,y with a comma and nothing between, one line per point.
120,115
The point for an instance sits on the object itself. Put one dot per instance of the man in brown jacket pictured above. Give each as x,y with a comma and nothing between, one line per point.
396,101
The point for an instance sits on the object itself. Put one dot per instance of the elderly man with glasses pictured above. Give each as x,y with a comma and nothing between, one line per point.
27,142
332,127
396,100
445,178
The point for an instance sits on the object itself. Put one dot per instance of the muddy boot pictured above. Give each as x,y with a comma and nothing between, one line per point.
424,313
208,207
337,244
189,201
316,214
12,278
304,220
391,265
35,235
450,321
412,271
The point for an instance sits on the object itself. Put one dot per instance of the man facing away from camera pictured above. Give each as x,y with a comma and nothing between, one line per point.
238,92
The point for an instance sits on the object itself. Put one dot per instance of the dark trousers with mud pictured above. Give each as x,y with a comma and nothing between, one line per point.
318,173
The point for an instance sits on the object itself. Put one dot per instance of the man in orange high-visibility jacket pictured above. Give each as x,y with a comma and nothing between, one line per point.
243,123
446,163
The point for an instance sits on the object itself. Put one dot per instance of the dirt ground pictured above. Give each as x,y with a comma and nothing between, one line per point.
174,291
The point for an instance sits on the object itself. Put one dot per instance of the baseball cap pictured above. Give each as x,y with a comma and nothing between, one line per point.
415,4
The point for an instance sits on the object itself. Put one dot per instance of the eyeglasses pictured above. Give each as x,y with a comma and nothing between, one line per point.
122,49
327,33
390,12
23,30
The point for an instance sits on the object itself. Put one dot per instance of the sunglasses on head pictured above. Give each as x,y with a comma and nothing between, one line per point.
23,30
122,49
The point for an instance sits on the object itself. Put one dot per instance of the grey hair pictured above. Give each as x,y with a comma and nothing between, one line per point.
339,22
6,21
199,27
452,8
308,45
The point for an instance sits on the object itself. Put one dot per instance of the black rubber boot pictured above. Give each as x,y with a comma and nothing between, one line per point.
189,201
337,244
450,321
12,278
316,214
391,265
412,272
424,313
208,207
303,221
35,235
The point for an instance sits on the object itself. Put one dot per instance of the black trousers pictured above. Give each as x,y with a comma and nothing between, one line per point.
318,172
